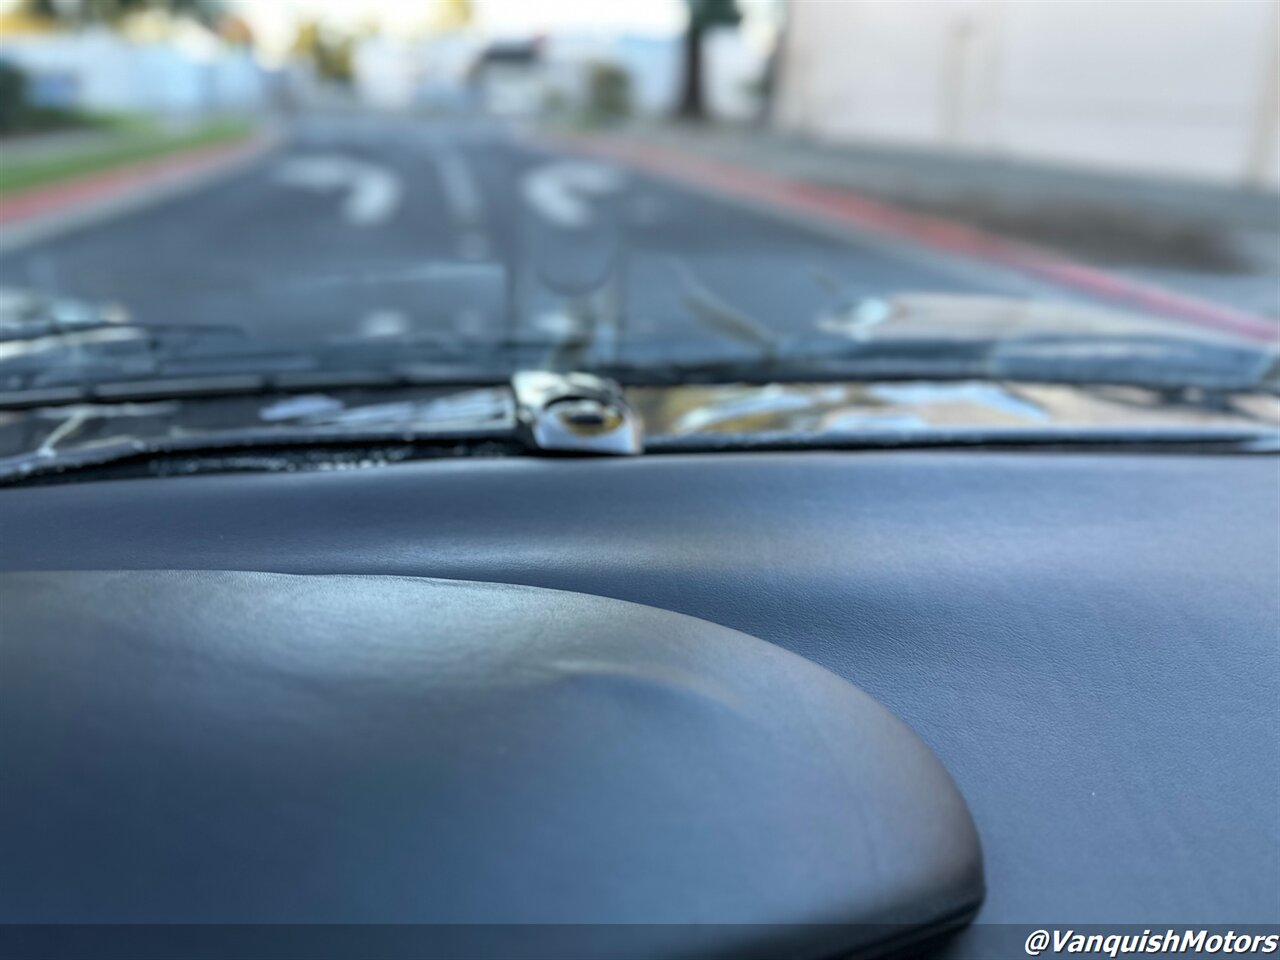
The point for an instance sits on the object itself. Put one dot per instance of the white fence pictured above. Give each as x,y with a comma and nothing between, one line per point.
1186,88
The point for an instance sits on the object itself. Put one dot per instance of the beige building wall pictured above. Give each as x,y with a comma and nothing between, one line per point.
1184,88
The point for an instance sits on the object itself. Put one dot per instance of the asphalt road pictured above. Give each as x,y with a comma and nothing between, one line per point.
464,230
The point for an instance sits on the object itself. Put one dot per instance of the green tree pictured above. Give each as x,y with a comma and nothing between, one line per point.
703,16
306,41
331,55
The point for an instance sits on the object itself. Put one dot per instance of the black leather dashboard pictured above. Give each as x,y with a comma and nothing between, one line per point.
1089,642
203,747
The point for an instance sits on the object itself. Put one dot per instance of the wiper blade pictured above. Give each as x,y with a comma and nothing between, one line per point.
54,329
290,379
1223,439
1154,362
117,360
52,353
1143,360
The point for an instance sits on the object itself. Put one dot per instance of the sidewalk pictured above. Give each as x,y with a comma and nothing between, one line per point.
1213,244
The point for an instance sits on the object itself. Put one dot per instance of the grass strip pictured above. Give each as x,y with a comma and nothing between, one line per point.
131,147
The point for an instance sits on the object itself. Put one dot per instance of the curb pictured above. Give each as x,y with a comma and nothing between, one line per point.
811,201
41,213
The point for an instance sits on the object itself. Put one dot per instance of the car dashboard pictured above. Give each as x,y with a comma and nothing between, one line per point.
1085,641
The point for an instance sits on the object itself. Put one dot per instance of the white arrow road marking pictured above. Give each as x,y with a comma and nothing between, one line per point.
373,192
558,323
384,323
560,192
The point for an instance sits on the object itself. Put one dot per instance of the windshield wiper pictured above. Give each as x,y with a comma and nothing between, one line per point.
1213,439
1154,362
120,362
50,352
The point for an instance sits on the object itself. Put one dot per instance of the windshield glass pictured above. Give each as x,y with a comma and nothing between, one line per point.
665,192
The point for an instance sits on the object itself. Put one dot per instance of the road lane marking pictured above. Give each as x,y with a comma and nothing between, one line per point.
384,323
432,271
913,234
561,192
373,193
558,323
374,196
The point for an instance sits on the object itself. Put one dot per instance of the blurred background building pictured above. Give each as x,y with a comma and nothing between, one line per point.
1183,88
148,61
1166,88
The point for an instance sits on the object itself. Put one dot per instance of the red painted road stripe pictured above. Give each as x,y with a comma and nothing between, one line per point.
56,197
853,209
